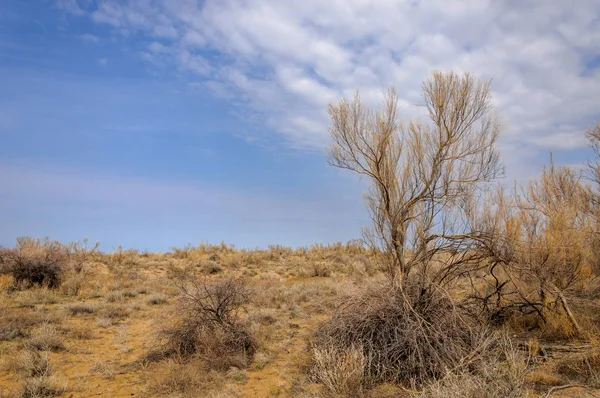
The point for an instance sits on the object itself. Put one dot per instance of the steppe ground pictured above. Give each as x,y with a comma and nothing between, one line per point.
94,335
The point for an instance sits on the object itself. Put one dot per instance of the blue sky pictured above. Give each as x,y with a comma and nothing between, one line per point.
153,123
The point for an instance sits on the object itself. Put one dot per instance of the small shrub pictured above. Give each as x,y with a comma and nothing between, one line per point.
213,269
46,338
83,332
157,299
72,284
106,369
81,309
320,269
34,262
501,374
38,295
104,322
341,371
115,312
181,380
13,326
115,297
583,368
31,363
41,387
209,327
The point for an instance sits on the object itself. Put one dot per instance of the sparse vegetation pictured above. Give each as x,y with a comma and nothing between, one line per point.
462,287
210,327
34,262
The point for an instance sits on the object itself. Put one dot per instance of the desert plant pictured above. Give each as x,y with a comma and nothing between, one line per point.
157,299
536,242
46,338
421,174
320,269
41,387
404,336
81,308
209,326
34,262
79,253
341,371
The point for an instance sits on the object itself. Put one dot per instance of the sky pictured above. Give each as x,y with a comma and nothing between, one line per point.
156,123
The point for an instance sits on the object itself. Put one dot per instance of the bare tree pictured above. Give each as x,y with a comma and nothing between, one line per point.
536,240
422,175
593,136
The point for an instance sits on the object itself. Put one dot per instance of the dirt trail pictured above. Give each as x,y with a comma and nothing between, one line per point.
276,378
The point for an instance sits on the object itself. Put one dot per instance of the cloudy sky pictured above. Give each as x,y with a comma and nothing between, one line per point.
153,123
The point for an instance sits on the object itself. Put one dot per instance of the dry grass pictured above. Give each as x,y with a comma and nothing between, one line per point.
100,333
157,299
81,309
209,327
343,372
410,342
46,338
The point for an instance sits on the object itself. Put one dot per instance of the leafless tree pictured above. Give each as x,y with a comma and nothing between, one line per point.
422,174
536,240
593,136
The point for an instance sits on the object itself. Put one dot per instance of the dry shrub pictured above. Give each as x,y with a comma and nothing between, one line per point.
81,308
212,268
14,325
320,269
46,338
341,371
181,380
115,296
209,327
73,283
114,312
34,262
500,374
34,296
40,387
36,370
583,368
31,363
406,336
105,368
157,299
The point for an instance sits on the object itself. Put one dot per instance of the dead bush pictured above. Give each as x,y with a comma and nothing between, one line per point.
39,387
157,299
14,325
500,374
181,380
320,269
19,324
341,371
209,326
34,262
81,309
406,336
46,338
583,368
30,363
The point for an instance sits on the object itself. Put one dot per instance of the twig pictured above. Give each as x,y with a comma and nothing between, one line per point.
558,388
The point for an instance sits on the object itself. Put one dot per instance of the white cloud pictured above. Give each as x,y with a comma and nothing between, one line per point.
71,6
286,60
